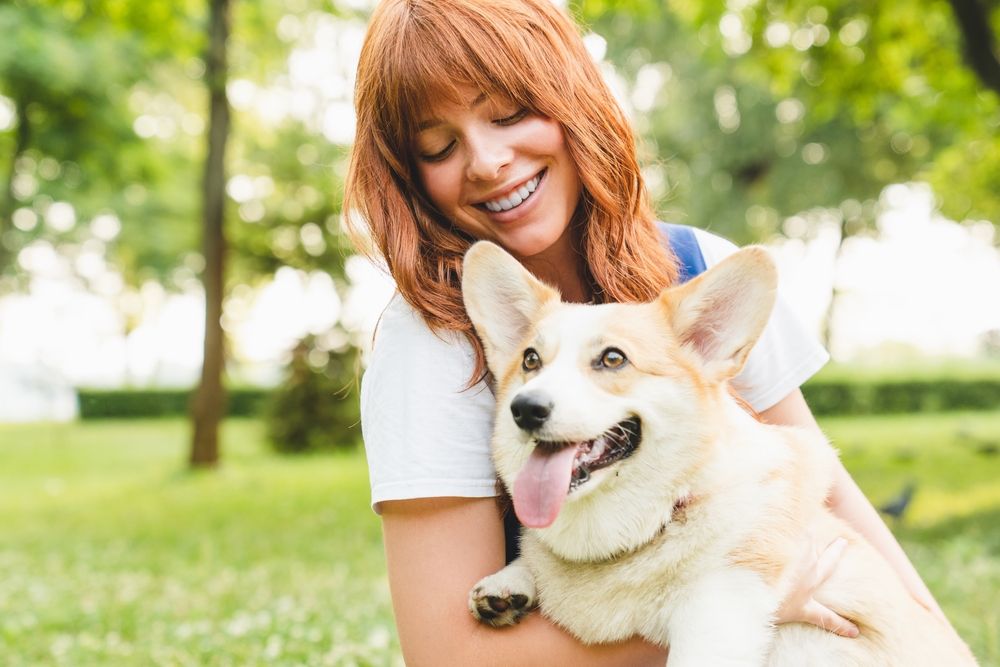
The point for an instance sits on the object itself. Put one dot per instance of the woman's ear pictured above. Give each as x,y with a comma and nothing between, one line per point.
721,313
502,299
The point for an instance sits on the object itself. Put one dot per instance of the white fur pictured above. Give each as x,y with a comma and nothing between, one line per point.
687,541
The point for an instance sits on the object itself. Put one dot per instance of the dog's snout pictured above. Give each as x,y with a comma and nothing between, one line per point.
531,410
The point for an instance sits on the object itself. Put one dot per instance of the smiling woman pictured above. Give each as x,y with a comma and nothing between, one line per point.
468,128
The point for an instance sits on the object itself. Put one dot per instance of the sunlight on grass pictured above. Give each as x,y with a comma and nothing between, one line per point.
114,554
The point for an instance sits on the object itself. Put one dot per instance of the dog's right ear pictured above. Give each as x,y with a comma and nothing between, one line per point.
502,299
721,313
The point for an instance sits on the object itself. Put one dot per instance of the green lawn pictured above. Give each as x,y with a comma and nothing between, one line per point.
110,554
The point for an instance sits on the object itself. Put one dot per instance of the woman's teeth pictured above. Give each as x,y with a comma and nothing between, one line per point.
515,198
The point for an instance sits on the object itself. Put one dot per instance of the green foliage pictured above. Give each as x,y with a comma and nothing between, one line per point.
316,407
144,403
75,75
110,97
763,110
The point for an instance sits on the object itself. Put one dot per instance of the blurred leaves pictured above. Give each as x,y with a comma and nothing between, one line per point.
749,111
108,114
768,108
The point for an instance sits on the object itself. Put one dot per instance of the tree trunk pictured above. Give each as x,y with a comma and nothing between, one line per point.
827,331
208,405
21,143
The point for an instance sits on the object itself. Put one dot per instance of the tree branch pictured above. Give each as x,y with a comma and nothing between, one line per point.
980,45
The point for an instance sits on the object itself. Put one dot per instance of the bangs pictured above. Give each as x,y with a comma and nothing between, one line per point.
442,49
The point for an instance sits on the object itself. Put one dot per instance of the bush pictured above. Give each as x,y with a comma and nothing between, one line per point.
316,408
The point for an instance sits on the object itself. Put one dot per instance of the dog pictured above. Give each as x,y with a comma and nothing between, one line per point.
653,503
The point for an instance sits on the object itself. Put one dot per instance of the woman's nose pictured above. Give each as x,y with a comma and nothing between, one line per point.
487,157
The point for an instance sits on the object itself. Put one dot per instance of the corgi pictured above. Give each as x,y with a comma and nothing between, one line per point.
653,504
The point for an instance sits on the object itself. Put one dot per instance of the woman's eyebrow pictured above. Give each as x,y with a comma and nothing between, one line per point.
432,122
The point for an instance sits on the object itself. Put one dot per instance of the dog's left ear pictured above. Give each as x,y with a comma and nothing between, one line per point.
502,299
721,313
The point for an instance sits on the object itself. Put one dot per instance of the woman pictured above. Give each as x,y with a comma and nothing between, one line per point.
487,119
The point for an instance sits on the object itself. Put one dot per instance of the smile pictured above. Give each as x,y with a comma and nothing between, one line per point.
515,197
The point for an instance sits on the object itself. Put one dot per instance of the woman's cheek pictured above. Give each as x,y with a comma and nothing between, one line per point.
442,184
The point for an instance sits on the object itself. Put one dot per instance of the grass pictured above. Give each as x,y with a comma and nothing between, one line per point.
111,554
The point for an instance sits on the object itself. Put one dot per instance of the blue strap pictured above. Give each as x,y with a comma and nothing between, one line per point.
690,261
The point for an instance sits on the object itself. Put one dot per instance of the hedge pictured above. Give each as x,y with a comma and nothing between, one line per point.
825,397
863,396
137,403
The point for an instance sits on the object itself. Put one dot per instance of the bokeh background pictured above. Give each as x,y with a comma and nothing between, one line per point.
182,318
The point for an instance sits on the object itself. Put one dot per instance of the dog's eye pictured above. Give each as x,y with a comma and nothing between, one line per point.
531,361
612,358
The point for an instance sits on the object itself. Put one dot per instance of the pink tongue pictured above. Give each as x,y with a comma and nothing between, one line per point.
542,485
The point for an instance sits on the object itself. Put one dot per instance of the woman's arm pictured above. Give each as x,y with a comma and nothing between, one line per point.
436,550
850,504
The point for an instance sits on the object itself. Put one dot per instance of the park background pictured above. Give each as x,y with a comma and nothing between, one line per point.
181,493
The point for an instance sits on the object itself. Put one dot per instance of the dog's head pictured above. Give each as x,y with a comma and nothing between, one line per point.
604,411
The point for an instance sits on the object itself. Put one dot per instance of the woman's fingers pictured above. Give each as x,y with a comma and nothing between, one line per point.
812,571
817,614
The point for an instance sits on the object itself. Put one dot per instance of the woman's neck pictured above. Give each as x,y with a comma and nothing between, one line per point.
567,274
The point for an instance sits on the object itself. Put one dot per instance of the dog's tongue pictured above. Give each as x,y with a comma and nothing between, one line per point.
542,485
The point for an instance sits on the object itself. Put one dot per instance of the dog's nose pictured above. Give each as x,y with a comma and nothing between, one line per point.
530,410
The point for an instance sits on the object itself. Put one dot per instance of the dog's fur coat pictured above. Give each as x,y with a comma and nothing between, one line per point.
686,539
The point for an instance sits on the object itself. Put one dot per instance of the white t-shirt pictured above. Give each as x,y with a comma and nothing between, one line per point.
426,435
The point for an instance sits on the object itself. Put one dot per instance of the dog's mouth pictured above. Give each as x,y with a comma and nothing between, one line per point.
615,444
556,469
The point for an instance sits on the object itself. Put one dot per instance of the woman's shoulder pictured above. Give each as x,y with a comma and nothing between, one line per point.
711,248
414,364
403,336
714,248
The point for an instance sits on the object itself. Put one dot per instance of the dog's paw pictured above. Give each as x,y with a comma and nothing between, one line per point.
503,598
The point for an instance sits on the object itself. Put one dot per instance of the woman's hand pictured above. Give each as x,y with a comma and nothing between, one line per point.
810,572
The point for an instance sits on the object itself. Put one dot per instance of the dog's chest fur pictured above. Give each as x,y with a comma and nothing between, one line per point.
636,591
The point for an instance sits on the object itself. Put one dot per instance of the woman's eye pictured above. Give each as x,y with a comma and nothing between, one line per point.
612,358
513,118
440,155
531,361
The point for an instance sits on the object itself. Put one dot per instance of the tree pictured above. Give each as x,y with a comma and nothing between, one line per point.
767,109
208,405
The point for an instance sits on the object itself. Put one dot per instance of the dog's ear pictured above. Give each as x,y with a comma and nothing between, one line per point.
721,313
502,299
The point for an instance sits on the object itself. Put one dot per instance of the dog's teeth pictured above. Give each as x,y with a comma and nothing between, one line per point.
598,449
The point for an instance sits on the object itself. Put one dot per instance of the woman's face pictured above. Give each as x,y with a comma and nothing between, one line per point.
501,173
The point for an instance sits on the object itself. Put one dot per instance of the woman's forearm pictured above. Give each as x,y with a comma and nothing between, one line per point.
849,503
436,550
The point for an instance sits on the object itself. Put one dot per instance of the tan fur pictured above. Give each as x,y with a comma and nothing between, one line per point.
688,541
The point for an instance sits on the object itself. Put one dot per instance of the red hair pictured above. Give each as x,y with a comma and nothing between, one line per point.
420,52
